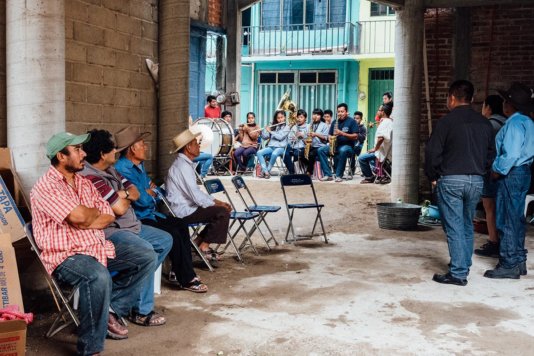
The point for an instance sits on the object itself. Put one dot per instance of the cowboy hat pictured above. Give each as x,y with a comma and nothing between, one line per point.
129,135
520,96
183,138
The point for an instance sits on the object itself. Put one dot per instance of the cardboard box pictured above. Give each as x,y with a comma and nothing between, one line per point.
12,338
12,199
9,275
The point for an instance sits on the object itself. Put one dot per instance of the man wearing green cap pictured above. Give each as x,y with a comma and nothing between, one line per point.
69,216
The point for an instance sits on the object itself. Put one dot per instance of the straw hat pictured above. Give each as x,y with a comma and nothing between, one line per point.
127,136
182,139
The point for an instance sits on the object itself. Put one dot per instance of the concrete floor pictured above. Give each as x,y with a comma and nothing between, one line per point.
368,291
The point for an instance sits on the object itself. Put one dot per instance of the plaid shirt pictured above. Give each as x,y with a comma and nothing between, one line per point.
52,200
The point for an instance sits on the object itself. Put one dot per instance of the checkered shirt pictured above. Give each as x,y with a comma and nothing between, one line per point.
52,200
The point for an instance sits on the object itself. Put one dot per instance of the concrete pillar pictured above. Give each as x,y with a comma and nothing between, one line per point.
173,77
35,78
233,56
407,111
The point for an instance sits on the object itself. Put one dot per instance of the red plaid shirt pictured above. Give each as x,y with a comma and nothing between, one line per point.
52,200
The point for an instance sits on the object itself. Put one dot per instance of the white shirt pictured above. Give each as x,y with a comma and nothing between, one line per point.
385,130
183,193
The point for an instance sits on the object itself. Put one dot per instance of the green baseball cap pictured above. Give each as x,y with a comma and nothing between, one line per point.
63,139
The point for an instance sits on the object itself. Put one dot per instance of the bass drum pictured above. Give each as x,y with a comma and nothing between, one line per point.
221,140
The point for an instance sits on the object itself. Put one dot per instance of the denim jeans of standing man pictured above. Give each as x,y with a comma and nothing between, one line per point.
458,196
161,243
511,194
132,264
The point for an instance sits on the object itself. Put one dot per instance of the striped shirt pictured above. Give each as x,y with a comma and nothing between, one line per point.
52,200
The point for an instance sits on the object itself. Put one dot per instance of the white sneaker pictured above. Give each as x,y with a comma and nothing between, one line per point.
327,178
338,179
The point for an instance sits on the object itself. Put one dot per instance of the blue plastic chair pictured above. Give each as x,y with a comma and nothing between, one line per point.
262,210
292,180
215,186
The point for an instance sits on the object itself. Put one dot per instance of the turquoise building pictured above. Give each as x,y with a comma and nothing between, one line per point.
325,51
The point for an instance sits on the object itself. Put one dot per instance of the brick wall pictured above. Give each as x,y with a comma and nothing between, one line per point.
215,8
3,104
512,57
107,83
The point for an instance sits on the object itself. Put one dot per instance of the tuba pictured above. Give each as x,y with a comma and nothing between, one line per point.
286,104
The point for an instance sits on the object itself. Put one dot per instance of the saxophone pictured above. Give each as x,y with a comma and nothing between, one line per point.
332,139
308,142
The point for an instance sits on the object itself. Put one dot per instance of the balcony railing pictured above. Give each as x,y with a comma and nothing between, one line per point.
367,37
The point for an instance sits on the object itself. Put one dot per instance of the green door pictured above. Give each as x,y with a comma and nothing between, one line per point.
380,81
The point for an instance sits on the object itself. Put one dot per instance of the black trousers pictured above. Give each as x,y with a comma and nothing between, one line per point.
312,156
182,263
217,219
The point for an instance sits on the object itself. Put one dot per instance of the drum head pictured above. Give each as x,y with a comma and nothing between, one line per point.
221,136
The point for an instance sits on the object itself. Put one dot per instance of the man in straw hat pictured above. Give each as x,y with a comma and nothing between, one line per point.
511,169
69,216
132,147
189,202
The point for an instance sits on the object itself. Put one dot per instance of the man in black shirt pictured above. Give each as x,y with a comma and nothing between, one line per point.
346,131
458,155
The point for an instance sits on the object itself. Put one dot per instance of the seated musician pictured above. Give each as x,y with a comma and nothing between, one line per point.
358,145
277,134
190,203
69,218
345,129
248,138
375,157
295,150
158,230
319,133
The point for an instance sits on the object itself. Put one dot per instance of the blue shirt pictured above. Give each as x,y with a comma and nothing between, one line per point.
348,125
514,144
145,206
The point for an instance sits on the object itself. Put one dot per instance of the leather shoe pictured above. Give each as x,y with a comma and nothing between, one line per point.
523,268
116,330
449,279
500,272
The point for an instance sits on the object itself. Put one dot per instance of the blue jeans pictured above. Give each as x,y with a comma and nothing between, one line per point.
204,160
132,263
367,164
242,156
274,152
161,243
458,196
340,159
292,154
323,153
511,194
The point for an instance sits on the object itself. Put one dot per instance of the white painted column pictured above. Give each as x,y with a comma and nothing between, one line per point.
407,109
35,76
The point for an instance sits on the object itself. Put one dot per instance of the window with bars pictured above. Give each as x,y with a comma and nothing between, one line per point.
304,77
381,10
285,13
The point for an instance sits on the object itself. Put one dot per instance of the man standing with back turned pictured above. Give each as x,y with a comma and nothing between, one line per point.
511,169
458,155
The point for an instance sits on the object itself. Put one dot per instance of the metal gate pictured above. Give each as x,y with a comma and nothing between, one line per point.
306,92
380,81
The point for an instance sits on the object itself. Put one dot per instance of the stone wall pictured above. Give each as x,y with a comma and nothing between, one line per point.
107,83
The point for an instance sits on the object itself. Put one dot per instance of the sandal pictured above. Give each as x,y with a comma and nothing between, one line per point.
195,286
211,257
151,319
367,181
